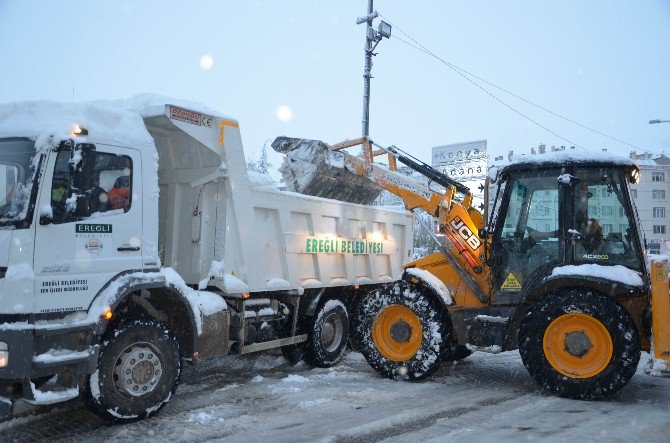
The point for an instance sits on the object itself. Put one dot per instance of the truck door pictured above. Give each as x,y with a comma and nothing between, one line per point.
90,224
530,231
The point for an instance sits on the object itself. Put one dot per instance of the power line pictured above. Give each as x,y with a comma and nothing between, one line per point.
463,73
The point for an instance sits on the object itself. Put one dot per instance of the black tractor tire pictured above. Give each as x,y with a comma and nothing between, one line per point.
457,353
138,371
568,370
399,313
328,335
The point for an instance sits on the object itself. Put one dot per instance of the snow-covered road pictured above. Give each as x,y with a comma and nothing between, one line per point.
262,398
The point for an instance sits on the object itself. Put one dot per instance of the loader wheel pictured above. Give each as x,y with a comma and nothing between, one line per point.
138,371
405,332
328,335
579,344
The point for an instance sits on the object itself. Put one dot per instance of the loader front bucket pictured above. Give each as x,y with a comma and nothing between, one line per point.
311,168
660,319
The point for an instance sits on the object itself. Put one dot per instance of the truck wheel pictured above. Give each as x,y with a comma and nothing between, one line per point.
138,371
579,344
405,332
457,353
328,335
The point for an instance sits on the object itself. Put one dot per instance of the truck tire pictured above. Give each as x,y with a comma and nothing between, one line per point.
138,371
405,331
328,335
579,344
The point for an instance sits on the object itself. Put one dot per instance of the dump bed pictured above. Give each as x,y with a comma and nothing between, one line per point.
221,227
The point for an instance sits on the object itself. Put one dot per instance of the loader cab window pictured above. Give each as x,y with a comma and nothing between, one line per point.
603,226
530,228
108,188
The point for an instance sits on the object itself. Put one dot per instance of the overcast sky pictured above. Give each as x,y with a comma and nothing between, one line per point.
295,67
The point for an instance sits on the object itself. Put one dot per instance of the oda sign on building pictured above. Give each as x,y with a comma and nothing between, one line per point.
464,162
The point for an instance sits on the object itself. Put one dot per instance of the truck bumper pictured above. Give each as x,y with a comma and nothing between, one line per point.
28,358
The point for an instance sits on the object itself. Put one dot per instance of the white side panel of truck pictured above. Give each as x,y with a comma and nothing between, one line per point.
217,228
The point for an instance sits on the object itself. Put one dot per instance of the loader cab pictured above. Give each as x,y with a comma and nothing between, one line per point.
562,212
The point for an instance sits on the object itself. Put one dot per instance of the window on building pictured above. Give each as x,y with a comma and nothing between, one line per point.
658,176
607,228
593,210
659,212
658,194
605,192
634,192
607,210
621,212
659,229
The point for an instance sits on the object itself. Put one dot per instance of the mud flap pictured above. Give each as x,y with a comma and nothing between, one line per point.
214,340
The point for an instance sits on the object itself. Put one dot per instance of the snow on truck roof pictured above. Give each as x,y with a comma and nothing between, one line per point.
562,158
109,121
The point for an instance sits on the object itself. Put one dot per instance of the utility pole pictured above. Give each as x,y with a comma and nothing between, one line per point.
369,41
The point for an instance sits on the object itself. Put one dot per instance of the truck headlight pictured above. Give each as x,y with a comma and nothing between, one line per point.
4,354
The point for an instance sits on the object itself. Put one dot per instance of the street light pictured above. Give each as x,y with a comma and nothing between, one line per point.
653,122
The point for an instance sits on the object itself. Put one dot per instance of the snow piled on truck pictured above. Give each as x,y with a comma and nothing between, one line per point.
615,273
49,122
151,105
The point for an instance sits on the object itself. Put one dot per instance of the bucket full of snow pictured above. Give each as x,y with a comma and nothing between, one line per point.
311,168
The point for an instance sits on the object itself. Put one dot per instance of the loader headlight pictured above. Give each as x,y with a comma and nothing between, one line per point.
4,354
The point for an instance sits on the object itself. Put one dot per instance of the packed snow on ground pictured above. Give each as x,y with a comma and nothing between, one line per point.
615,273
262,397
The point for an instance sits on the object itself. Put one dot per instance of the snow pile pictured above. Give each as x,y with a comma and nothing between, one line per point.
49,122
203,418
215,271
275,284
233,285
50,397
434,282
561,158
615,273
151,105
257,379
295,378
58,355
311,283
261,182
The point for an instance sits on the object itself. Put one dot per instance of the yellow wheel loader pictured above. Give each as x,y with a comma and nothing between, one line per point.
555,269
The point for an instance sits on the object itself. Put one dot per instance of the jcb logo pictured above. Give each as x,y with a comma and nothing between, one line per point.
465,232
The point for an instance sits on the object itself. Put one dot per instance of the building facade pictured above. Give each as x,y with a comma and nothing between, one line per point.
652,199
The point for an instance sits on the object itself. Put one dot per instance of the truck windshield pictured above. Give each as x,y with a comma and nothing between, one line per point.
17,171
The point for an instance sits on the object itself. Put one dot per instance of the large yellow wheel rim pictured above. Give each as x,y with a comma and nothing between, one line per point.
397,333
577,345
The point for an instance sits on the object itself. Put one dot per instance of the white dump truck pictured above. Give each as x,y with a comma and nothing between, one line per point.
133,241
